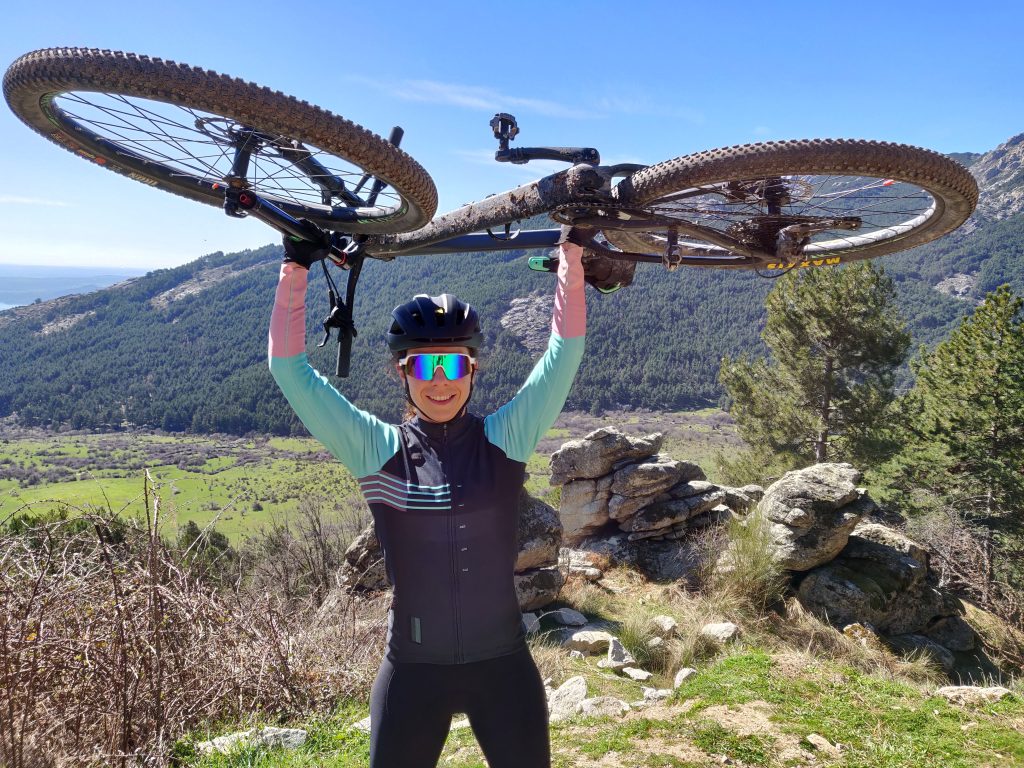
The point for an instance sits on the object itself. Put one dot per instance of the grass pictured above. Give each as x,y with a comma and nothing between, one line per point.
801,676
238,485
876,721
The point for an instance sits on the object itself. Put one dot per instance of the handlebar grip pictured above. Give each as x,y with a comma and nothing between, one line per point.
543,263
344,352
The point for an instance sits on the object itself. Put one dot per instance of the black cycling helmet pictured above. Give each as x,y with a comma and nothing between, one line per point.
429,321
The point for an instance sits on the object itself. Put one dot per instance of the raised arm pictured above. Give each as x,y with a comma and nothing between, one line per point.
361,441
519,425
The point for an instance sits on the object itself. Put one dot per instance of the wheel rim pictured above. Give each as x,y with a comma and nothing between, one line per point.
753,211
194,150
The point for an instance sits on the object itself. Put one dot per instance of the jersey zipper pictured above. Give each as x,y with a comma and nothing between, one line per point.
453,547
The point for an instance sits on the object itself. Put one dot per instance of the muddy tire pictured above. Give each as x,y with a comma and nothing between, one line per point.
948,190
51,89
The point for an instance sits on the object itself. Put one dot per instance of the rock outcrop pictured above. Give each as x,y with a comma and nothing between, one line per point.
624,503
859,575
879,578
611,481
594,455
1000,175
811,512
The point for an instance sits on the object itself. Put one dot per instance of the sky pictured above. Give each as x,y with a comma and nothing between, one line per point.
641,81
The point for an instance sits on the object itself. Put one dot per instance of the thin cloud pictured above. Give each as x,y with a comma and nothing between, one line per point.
644,106
472,97
16,200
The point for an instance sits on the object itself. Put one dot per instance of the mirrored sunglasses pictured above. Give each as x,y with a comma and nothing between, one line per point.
454,365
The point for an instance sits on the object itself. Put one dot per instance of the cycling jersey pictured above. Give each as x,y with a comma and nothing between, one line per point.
444,497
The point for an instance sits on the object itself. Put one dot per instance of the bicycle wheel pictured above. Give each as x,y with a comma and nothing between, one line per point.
831,201
178,128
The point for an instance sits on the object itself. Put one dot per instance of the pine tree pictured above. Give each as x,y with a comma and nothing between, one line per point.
836,340
962,462
970,398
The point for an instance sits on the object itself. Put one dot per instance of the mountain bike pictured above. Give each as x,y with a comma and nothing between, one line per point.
314,175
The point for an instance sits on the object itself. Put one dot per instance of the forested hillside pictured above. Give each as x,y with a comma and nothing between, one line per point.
184,348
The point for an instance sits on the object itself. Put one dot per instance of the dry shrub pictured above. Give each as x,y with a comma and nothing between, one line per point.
297,556
586,597
799,631
635,631
741,571
551,659
968,561
111,647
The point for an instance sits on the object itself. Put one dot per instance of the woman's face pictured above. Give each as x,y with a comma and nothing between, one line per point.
439,400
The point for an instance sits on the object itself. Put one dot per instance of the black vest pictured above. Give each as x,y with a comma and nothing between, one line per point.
445,508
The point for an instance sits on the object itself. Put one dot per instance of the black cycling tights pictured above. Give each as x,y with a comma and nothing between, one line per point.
411,708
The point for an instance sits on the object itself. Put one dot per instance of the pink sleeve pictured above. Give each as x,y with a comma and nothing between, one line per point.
569,319
288,321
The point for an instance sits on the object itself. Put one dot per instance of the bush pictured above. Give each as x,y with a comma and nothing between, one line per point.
113,643
747,571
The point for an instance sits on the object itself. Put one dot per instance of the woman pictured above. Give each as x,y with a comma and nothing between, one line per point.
443,488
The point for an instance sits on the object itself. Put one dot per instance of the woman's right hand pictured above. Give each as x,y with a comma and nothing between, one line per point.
305,253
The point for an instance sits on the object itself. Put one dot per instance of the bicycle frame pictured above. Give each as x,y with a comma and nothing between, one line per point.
460,231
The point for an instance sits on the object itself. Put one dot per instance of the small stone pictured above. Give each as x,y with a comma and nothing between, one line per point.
604,706
568,617
720,633
821,744
641,675
863,634
587,572
642,704
618,657
531,623
656,694
565,700
588,641
756,492
665,626
655,642
363,725
683,675
970,695
576,655
286,738
458,725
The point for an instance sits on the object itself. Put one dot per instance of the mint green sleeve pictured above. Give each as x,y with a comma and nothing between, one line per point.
358,439
519,425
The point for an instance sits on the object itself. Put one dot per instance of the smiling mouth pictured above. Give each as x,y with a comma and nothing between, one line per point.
440,399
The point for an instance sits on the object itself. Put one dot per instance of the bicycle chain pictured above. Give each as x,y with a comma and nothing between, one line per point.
585,204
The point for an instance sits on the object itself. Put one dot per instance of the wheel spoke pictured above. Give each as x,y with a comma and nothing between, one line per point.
191,143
